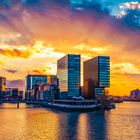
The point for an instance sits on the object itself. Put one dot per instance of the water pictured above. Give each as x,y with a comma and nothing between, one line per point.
28,123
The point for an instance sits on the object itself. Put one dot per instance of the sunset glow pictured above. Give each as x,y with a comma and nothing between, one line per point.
33,37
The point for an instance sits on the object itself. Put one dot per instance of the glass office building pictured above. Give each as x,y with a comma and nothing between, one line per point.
33,83
32,80
68,73
103,71
96,75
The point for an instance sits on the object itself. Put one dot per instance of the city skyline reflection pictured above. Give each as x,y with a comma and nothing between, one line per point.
40,124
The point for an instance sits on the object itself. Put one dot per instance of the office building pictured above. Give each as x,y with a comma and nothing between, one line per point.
68,73
34,81
12,94
47,92
96,76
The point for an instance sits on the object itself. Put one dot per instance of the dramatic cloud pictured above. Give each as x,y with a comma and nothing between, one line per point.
130,14
42,31
12,53
14,39
132,18
130,5
125,68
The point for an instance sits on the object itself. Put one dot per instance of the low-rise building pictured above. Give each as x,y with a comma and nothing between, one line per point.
47,92
33,83
13,94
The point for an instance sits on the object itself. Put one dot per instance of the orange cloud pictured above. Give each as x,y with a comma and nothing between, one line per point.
125,67
43,34
12,53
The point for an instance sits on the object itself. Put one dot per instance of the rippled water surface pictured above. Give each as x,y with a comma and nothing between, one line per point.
28,123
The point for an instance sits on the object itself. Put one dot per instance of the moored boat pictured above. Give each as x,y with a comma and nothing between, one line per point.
74,105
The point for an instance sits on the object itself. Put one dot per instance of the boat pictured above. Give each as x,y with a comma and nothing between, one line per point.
75,105
110,105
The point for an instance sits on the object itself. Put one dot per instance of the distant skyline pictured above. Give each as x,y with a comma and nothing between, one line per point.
34,35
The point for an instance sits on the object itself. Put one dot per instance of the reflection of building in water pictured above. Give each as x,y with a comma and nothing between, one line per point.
68,123
98,126
82,126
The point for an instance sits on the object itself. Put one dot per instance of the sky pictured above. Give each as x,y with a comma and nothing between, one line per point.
35,33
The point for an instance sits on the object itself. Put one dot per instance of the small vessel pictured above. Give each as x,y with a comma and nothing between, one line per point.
118,100
110,105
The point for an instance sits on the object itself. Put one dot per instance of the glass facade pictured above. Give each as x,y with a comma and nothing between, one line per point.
99,91
104,71
32,80
96,75
68,72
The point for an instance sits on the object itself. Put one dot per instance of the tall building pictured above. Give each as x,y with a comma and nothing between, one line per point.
96,76
68,73
2,86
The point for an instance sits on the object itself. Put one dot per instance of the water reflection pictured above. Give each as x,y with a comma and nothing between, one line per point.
43,124
14,106
82,126
97,122
123,123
